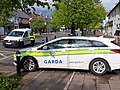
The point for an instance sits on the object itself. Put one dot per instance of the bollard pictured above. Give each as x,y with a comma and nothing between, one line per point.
18,66
43,41
46,39
55,37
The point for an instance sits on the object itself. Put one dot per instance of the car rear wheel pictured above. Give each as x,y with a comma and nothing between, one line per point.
29,64
99,67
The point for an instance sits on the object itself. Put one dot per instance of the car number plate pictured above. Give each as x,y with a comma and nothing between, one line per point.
8,43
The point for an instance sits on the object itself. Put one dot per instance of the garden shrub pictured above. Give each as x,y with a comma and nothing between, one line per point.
8,83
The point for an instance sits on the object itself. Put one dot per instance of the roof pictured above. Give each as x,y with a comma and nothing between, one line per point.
21,14
113,8
89,38
101,39
21,30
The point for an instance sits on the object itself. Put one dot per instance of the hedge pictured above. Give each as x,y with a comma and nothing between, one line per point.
8,83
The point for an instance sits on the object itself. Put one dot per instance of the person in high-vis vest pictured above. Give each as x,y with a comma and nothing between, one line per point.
32,38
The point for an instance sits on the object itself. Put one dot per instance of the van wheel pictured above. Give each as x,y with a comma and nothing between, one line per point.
99,67
22,44
6,46
29,64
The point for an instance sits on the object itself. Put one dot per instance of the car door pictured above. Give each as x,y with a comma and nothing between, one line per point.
26,40
54,55
80,52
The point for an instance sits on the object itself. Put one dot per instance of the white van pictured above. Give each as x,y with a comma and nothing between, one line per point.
17,38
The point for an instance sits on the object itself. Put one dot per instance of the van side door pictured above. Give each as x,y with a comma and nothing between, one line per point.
26,40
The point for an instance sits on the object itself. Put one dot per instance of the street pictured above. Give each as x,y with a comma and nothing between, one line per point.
57,79
6,54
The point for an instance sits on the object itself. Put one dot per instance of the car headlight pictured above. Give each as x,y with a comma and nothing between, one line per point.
19,40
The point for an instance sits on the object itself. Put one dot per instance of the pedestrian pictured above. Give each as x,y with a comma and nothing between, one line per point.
32,38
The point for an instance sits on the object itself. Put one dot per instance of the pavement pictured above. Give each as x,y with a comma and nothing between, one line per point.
68,80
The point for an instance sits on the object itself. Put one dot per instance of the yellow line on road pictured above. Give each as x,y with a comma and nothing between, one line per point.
2,59
2,55
7,51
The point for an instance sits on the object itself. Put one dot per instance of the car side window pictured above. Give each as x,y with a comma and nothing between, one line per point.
98,44
64,43
78,43
26,34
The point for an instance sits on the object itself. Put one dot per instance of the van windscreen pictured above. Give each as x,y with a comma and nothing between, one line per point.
16,33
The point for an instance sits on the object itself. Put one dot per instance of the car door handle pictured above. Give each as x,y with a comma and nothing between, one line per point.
91,50
64,51
52,53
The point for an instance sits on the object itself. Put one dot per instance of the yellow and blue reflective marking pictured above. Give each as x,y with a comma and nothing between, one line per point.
72,52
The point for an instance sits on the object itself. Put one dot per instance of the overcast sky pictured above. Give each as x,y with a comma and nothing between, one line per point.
109,4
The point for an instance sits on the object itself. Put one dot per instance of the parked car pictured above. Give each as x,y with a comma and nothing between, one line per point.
17,38
96,54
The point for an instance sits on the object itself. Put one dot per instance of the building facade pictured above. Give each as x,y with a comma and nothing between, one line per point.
113,20
20,20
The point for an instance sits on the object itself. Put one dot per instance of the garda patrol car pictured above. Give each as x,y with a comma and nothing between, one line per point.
96,54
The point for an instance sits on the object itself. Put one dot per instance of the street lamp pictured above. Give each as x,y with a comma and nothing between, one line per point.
46,23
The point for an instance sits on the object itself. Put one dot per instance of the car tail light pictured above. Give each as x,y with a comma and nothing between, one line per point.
116,51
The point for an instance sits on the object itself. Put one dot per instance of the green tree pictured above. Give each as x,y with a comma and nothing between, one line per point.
76,13
24,5
38,23
98,17
57,20
5,14
8,6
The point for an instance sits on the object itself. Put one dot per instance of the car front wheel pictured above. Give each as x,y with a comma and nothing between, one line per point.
29,64
99,67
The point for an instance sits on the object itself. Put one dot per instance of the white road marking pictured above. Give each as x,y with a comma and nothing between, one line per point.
7,51
37,76
70,80
33,79
2,55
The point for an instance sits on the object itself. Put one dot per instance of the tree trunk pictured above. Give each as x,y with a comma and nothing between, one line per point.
81,29
73,28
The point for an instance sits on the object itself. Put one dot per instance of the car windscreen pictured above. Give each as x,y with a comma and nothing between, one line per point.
114,42
117,33
16,33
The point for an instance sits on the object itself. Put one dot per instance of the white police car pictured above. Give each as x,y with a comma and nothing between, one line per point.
96,54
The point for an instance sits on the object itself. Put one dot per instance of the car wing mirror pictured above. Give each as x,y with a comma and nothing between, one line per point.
45,48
